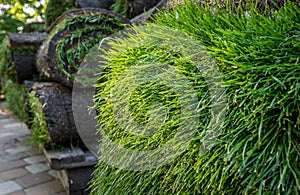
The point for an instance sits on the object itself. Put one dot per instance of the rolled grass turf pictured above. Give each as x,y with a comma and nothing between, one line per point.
51,116
257,150
70,38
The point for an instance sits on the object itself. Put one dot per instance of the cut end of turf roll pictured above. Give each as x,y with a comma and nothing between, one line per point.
50,110
71,37
20,56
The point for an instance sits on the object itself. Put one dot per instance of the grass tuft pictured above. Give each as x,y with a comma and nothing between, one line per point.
37,121
121,7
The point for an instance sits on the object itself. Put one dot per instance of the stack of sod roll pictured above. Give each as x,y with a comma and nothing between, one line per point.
30,78
70,38
18,65
50,113
21,56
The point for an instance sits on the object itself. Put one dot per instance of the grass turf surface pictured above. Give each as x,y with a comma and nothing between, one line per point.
258,148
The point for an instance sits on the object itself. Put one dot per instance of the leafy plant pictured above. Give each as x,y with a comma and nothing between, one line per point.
15,98
37,121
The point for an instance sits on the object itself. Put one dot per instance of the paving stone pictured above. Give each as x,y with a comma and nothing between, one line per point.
18,193
34,152
23,170
15,131
11,157
11,137
61,193
7,134
22,132
49,188
7,120
33,179
17,149
37,168
24,138
5,140
8,187
2,152
14,125
53,173
12,174
12,165
35,159
6,146
23,143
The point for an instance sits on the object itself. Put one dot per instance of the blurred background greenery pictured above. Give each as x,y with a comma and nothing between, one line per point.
15,14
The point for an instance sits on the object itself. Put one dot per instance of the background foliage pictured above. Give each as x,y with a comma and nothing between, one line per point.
55,8
14,14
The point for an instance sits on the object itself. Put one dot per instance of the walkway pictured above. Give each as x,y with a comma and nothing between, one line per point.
23,169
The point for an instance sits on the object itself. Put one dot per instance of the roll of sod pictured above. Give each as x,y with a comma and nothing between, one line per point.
147,103
51,117
70,39
21,56
257,150
261,5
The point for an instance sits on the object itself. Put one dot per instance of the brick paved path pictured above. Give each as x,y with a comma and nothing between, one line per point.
23,169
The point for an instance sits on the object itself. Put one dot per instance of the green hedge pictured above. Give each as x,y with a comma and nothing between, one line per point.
257,150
